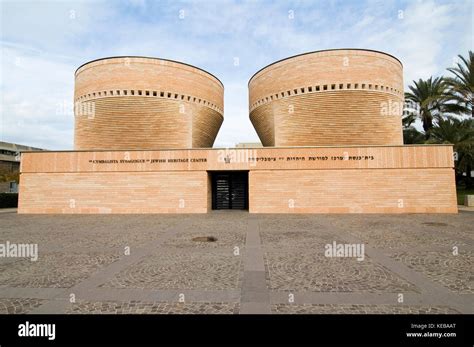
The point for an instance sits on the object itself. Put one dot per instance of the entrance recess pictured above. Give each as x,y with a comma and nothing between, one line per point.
230,190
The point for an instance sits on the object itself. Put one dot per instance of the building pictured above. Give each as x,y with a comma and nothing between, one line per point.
127,103
329,121
355,99
10,156
248,145
10,163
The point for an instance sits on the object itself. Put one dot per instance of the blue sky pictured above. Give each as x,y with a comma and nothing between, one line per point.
43,42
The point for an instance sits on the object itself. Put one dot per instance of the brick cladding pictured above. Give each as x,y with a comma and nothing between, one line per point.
337,97
166,105
327,98
353,191
388,183
114,192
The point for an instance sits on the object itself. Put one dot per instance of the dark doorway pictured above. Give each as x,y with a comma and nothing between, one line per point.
230,190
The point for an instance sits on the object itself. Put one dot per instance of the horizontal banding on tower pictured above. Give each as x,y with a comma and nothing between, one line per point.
332,97
145,103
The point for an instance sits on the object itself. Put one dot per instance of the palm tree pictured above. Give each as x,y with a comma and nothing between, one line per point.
429,97
460,133
411,136
460,87
408,120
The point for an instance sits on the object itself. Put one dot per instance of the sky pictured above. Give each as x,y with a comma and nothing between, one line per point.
43,42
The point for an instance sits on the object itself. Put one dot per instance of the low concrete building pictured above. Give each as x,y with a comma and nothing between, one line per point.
248,145
10,163
10,156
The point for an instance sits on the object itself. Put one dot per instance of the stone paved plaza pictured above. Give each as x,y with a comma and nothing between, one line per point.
257,264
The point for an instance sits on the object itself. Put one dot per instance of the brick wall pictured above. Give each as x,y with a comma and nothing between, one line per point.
145,103
141,73
130,123
110,192
382,179
353,191
336,97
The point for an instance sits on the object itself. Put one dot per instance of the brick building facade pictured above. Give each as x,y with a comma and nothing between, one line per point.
332,143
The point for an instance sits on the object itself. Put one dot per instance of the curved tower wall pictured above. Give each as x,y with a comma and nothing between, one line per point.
329,98
145,103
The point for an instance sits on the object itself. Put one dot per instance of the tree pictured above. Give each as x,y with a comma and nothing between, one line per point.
460,133
460,87
411,136
408,120
429,97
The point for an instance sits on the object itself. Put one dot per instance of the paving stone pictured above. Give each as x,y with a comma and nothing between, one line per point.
311,270
53,270
455,272
134,307
182,270
360,309
18,305
279,254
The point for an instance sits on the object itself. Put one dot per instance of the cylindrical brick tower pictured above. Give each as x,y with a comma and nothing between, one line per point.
145,103
329,98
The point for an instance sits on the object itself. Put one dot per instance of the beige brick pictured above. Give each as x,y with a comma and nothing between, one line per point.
396,179
299,101
183,109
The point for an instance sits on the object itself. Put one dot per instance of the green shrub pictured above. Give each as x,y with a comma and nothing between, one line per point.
8,200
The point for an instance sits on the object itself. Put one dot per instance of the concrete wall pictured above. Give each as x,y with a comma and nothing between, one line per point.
4,187
145,103
334,97
9,166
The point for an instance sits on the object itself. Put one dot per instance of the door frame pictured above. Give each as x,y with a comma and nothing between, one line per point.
213,196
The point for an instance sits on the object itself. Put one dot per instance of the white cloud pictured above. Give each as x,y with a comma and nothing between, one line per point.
42,43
